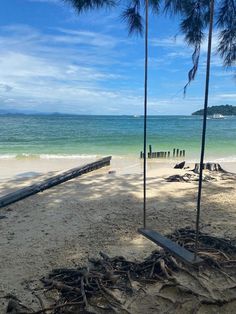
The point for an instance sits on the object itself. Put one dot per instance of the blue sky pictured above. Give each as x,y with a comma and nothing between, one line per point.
52,60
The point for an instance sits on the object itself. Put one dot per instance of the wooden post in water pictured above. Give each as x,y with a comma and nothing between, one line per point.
150,151
180,153
177,152
165,154
174,152
168,154
184,153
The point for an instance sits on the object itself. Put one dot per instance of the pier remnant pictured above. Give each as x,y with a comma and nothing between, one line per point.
163,154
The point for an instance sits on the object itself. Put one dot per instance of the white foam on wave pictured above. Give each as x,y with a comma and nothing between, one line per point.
44,156
49,156
8,156
226,159
84,156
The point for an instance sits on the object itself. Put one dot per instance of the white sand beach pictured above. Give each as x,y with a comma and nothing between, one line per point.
67,224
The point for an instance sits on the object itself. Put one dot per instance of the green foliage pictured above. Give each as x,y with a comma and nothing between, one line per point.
225,110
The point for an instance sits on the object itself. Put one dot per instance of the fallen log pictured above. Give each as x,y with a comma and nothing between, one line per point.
55,180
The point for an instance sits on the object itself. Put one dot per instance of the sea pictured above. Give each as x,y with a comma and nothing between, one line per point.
74,136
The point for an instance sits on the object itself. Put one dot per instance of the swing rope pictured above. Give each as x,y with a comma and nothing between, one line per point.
211,2
145,117
204,125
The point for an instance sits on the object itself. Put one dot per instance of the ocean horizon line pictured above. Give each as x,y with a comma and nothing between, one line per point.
88,115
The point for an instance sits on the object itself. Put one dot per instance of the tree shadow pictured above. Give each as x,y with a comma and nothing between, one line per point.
71,222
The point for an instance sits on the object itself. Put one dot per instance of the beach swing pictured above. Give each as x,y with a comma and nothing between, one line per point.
168,245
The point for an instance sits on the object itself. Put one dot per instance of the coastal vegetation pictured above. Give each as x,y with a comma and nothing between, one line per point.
225,110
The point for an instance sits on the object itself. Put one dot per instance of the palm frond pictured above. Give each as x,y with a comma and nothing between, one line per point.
173,7
192,26
226,20
193,71
132,16
226,13
227,46
86,5
155,5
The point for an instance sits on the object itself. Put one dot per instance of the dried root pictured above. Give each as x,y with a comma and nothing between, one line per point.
97,285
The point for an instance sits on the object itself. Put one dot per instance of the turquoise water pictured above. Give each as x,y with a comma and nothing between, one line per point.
59,135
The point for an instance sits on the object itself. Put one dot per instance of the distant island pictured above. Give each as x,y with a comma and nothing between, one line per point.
225,110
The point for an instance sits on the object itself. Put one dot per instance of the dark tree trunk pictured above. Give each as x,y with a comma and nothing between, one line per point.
208,166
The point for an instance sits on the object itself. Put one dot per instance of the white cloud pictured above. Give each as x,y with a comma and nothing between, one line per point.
228,95
86,37
79,71
35,70
168,42
178,48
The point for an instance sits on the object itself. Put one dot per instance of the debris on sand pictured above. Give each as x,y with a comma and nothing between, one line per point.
212,172
105,285
180,165
189,177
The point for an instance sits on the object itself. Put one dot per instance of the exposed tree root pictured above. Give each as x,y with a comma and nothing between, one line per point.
102,284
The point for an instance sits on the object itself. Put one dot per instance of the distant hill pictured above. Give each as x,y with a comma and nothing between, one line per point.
2,111
28,112
225,110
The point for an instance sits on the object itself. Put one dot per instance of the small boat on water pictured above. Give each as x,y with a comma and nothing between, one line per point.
218,116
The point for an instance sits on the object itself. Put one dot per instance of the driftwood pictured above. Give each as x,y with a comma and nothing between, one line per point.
93,288
55,180
214,172
188,177
177,178
208,166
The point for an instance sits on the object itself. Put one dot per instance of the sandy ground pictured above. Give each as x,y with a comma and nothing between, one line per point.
97,212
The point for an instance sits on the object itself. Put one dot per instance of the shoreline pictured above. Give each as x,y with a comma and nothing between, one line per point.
21,173
27,168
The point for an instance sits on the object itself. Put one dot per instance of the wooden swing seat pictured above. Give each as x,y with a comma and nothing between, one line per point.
170,246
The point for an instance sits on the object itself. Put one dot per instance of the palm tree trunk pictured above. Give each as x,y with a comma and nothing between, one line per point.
204,124
145,116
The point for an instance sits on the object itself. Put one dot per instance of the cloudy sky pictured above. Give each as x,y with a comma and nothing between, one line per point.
52,60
